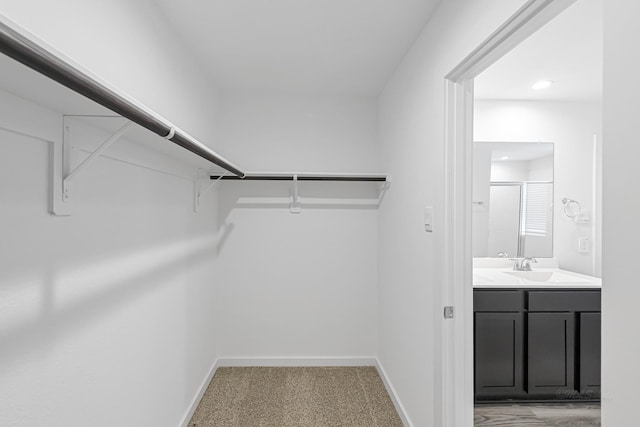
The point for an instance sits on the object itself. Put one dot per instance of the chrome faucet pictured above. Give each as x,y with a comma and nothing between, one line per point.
503,255
523,264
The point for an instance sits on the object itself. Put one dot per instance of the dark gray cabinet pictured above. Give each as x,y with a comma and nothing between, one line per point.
499,353
551,345
537,344
589,344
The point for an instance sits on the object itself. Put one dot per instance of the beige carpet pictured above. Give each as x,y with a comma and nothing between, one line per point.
296,397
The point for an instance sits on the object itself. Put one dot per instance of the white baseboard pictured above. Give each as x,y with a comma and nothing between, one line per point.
394,397
296,361
199,395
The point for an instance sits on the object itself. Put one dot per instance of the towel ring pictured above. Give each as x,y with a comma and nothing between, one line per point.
572,208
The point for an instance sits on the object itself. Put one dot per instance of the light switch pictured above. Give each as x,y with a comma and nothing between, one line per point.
583,245
428,219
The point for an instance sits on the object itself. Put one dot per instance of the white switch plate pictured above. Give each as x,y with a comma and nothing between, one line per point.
583,245
428,219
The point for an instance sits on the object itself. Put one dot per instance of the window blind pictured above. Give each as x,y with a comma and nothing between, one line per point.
536,202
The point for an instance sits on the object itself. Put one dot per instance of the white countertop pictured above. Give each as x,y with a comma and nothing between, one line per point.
492,274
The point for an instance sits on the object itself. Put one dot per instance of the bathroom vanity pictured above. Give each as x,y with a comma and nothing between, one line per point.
537,335
536,326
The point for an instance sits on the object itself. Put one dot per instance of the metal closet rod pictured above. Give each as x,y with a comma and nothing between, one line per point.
34,56
303,177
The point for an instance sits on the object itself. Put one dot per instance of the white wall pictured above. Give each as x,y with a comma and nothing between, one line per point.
412,140
620,294
541,169
107,315
570,126
299,285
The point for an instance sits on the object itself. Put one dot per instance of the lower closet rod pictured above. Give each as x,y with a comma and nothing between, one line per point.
354,178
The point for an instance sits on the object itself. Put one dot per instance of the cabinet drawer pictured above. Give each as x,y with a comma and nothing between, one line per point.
564,300
496,301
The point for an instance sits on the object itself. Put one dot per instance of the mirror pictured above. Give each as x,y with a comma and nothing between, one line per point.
513,199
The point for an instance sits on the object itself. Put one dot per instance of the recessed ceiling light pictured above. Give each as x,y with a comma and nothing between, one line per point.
504,158
542,84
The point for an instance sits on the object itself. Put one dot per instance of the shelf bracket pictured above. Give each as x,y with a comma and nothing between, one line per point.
295,203
382,189
75,172
63,174
202,185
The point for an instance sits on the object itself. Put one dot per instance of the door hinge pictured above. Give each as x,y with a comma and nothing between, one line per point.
448,312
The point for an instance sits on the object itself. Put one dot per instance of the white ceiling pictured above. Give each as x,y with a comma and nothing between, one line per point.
299,46
567,51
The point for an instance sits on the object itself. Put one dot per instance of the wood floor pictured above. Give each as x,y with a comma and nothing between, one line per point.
296,397
538,415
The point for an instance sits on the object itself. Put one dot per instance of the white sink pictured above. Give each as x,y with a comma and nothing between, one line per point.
547,276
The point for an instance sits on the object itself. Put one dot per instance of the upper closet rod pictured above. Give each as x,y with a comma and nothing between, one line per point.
29,53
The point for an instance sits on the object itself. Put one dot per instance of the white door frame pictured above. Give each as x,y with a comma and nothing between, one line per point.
457,291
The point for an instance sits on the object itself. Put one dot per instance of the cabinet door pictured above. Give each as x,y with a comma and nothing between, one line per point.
589,346
499,355
551,344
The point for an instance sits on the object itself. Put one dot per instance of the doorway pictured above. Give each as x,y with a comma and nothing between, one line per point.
459,201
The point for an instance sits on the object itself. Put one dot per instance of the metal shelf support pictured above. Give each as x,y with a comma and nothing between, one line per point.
294,204
202,185
86,162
